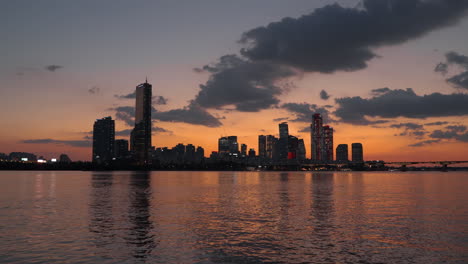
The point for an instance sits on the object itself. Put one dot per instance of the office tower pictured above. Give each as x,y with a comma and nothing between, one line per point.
190,153
120,148
293,146
357,152
271,147
223,145
327,145
103,140
262,150
243,150
301,151
342,153
141,134
316,137
233,145
283,140
199,155
252,153
179,151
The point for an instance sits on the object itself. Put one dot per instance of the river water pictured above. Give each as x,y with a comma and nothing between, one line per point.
233,217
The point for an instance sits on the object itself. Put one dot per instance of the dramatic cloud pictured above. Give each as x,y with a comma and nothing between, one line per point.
73,143
459,80
191,114
452,132
280,119
380,91
408,126
94,90
131,95
425,142
248,86
324,95
400,103
53,68
159,100
335,38
436,123
303,112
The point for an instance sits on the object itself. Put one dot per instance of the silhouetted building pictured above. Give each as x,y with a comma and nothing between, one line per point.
121,149
293,147
252,153
190,153
223,145
357,152
199,155
64,158
233,145
301,150
262,146
243,150
22,156
316,137
141,134
3,157
327,145
179,150
103,140
342,153
272,147
283,140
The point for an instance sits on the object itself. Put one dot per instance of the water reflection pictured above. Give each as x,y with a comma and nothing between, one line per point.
114,217
140,234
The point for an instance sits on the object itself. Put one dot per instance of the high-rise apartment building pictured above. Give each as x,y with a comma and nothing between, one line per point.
327,143
283,140
357,152
262,147
141,134
316,134
271,147
103,140
121,148
342,153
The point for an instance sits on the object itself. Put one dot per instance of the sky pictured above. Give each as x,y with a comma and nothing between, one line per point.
391,74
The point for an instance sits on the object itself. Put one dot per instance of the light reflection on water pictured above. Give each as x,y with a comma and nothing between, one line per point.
233,217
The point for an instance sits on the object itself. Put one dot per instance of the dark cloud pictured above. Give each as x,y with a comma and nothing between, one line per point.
452,132
280,119
159,100
303,112
425,142
380,91
248,86
400,103
324,95
191,114
131,95
436,123
94,90
459,80
442,68
125,113
408,126
155,129
305,129
53,68
123,133
73,143
334,38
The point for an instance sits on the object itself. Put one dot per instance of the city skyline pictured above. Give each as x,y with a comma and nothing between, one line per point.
404,97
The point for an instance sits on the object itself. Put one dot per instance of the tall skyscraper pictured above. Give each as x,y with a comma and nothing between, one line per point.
233,145
283,140
316,137
327,143
141,134
243,150
342,152
103,140
357,152
262,146
301,151
121,148
271,147
223,145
